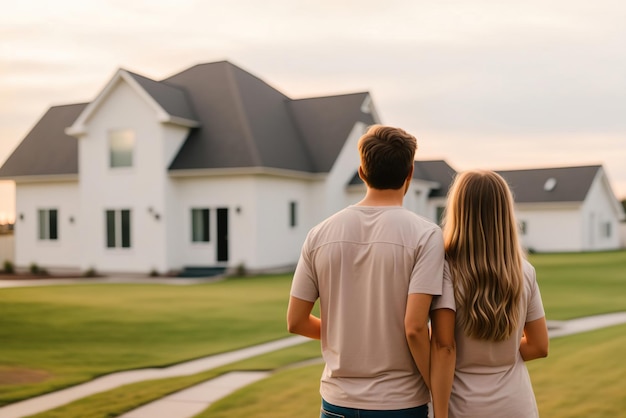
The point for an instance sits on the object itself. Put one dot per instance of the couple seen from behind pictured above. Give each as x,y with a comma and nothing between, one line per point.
411,313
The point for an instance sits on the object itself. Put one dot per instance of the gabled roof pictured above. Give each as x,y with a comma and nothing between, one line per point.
569,184
171,98
245,122
46,150
236,121
326,122
169,102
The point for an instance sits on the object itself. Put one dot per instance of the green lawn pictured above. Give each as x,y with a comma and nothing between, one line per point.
63,335
575,285
52,337
582,377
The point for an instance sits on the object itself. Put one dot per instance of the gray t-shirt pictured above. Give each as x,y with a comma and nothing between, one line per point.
491,378
362,263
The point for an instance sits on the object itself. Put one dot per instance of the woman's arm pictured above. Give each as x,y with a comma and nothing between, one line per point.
535,341
442,359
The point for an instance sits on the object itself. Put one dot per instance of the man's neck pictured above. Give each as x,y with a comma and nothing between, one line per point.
386,197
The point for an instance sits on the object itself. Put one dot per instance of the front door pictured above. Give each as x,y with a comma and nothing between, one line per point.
222,234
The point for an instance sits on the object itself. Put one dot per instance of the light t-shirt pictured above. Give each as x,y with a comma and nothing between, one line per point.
362,263
491,378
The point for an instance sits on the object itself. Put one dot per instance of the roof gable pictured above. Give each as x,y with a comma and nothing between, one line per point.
169,102
46,150
569,184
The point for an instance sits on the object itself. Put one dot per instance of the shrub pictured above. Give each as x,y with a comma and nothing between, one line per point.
8,267
90,272
34,268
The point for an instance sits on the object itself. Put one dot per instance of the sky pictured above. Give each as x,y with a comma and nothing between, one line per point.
481,83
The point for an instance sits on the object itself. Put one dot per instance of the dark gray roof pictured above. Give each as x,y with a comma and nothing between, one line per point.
437,171
571,183
243,122
326,122
46,150
171,98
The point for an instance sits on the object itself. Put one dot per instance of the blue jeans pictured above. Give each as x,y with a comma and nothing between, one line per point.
333,411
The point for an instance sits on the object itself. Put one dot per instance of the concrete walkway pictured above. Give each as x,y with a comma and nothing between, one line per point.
111,381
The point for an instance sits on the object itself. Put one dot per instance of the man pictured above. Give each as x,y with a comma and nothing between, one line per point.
375,267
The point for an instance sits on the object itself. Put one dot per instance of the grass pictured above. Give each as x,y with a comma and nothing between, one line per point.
576,285
125,398
582,377
59,336
75,333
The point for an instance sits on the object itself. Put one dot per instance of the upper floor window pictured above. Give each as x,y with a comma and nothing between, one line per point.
121,145
48,224
118,228
200,225
606,230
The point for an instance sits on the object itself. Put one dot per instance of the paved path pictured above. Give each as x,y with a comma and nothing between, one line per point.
55,399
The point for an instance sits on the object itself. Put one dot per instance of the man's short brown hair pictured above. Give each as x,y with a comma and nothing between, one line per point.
387,156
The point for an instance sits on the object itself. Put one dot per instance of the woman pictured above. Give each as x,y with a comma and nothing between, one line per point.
500,321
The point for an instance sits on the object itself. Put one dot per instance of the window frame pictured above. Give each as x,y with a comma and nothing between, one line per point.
48,222
200,233
118,228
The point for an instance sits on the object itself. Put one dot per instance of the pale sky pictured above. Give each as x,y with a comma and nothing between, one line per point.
480,83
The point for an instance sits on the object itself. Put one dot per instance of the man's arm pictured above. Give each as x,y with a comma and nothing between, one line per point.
442,359
299,318
416,330
535,341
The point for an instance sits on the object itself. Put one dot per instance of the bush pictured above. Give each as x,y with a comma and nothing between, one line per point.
90,272
34,268
8,267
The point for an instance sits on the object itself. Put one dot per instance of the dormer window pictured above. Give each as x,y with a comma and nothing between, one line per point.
550,184
121,145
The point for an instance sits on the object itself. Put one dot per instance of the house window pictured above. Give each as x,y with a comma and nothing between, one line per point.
606,229
48,225
118,228
121,144
440,212
200,225
293,208
523,227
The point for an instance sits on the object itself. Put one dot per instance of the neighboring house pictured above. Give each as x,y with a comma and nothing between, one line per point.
214,168
566,209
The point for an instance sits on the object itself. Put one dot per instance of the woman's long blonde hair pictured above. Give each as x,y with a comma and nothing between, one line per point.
484,255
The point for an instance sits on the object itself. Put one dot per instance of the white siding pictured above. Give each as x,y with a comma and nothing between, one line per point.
62,253
551,228
140,188
599,220
333,197
7,249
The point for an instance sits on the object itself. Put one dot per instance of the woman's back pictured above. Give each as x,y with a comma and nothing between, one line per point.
491,379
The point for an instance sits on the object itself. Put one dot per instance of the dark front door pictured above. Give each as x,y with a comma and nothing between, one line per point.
222,234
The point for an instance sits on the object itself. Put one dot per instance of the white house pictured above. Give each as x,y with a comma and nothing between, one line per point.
566,209
213,168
